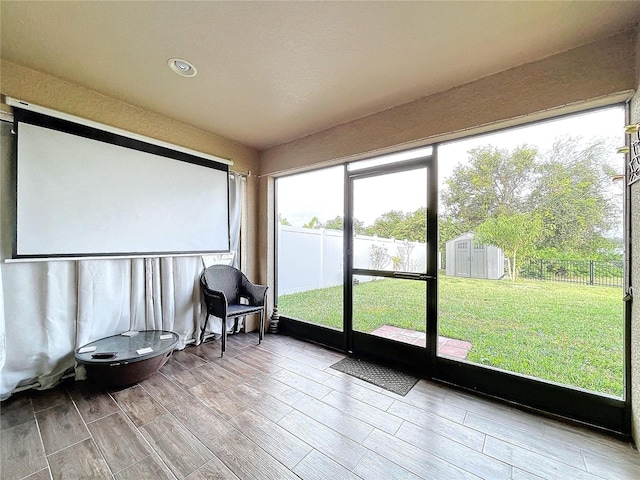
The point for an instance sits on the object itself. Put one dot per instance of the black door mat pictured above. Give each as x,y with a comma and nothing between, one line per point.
384,377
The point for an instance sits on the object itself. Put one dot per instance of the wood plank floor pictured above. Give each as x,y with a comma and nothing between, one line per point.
277,411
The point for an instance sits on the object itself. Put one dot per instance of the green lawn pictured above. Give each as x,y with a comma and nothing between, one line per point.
567,333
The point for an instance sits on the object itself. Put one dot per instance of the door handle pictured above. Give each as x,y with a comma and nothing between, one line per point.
413,276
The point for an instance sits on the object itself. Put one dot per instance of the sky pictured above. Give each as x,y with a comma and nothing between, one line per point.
320,193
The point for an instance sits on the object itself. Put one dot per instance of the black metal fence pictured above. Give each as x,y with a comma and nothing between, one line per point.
588,272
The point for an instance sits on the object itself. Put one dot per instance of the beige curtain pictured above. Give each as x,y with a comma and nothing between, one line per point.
47,309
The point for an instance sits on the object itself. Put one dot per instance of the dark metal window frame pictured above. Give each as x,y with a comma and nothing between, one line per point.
601,411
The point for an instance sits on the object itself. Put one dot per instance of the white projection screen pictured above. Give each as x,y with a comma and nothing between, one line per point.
81,194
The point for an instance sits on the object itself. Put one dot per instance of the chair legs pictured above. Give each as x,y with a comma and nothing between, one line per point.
204,328
261,327
223,343
223,346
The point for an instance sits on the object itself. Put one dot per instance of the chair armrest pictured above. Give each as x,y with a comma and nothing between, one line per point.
256,294
216,302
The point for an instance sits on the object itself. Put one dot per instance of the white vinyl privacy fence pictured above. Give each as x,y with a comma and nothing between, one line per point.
310,258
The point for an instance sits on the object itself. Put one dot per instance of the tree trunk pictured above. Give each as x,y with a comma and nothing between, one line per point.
508,261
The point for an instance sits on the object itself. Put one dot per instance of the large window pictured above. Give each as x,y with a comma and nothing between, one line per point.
525,278
531,242
309,226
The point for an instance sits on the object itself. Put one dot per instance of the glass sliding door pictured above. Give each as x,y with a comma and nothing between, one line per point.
531,235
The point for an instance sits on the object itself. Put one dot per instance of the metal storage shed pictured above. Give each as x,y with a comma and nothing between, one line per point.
466,258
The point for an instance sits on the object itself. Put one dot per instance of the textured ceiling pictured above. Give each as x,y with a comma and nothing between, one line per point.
270,72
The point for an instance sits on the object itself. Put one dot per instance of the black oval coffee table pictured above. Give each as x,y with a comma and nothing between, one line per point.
127,358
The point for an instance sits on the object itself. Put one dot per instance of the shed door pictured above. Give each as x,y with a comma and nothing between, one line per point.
478,261
462,259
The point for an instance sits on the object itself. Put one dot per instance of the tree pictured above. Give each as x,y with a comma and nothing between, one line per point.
574,195
379,257
358,227
387,225
335,224
515,233
313,223
449,228
410,226
569,187
492,181
338,224
416,225
404,257
282,220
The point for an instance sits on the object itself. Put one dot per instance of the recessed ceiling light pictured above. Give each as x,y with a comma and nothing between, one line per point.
182,67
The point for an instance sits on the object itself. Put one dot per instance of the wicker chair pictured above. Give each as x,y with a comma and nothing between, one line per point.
223,288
